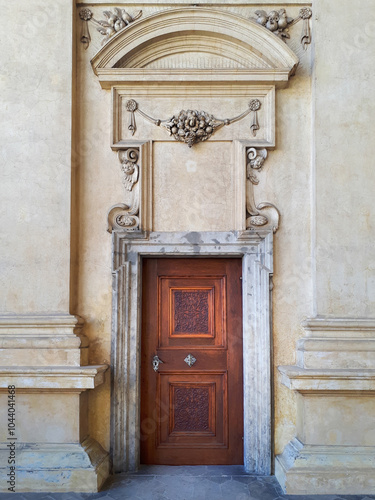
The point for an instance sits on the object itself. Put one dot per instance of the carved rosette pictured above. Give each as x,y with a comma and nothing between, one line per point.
122,216
256,217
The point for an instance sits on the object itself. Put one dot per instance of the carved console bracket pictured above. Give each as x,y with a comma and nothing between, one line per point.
124,216
278,22
193,126
114,22
255,215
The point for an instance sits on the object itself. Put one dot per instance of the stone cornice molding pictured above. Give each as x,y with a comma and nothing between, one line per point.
118,57
40,324
327,381
52,378
334,327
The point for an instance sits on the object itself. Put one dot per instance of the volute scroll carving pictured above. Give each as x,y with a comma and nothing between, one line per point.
122,216
265,213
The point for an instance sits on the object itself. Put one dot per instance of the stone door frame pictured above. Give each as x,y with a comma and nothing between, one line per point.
256,250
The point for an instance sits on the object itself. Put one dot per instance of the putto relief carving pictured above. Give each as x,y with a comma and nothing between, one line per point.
261,214
113,23
279,23
123,216
193,126
129,167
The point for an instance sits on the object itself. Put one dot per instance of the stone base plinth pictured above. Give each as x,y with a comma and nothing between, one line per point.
56,467
326,470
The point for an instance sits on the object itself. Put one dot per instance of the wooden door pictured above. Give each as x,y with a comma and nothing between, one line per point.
192,405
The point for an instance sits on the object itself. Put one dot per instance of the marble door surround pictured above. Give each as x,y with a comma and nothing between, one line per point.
256,252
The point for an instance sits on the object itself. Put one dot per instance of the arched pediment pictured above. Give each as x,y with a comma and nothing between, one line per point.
202,40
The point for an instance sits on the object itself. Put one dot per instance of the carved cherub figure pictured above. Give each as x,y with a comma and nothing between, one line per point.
130,172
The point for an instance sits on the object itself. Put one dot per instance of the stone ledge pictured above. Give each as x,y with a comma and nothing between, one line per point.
72,378
311,380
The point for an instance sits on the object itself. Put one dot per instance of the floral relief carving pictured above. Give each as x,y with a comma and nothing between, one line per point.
193,126
191,311
113,23
279,23
191,409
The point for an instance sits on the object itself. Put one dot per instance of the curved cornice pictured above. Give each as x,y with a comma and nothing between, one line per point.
126,54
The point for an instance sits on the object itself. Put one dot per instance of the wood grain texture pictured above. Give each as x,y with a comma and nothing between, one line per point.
192,415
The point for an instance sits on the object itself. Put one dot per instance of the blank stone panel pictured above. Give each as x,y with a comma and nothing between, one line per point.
193,189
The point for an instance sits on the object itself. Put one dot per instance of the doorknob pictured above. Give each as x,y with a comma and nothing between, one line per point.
156,362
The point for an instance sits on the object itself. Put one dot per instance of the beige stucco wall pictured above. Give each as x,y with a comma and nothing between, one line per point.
319,176
344,157
35,132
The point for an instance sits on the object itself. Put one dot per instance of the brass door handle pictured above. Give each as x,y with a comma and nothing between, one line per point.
156,362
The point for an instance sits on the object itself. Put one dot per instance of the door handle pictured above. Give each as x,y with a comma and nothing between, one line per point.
156,362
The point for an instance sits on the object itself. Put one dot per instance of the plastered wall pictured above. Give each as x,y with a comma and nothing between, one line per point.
35,135
320,176
344,158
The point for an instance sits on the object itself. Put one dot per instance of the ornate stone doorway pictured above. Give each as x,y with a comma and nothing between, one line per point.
255,250
190,180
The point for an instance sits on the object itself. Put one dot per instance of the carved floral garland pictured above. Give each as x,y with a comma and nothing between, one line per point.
278,22
193,126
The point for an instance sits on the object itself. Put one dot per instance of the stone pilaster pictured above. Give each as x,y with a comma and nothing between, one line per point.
44,357
334,450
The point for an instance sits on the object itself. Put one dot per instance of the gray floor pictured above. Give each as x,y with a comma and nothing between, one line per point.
185,483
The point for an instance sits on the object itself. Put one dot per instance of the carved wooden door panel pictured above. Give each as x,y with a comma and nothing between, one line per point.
192,399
